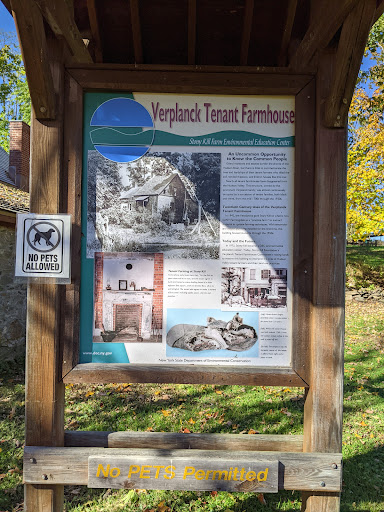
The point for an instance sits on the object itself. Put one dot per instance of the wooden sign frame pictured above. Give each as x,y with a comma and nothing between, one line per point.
302,86
319,226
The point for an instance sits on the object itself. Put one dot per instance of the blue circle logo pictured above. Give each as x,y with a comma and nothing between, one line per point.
123,130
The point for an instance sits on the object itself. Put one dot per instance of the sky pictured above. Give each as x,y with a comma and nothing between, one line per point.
6,20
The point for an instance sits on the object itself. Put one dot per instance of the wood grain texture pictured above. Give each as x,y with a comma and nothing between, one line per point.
136,31
191,32
287,32
247,29
323,407
33,44
71,203
178,374
350,51
59,16
183,473
170,440
303,228
131,79
69,466
323,27
198,68
95,30
44,403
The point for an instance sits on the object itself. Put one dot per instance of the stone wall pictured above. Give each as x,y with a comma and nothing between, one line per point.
13,299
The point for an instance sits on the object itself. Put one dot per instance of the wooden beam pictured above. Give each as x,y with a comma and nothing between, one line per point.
69,466
136,31
379,10
191,31
44,402
7,5
179,374
305,112
71,203
173,441
131,79
350,53
33,44
287,32
321,30
247,29
58,14
95,30
324,403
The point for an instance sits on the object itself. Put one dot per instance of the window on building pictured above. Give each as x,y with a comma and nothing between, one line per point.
252,273
265,274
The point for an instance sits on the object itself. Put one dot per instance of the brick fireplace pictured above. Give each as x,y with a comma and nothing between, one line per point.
127,316
140,308
133,302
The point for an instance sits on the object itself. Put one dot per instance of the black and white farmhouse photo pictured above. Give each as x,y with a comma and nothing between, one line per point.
164,202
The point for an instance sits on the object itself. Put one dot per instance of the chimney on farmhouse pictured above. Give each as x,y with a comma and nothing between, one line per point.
19,147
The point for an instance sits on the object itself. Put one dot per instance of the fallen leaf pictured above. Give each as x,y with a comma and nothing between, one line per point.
166,412
213,493
186,431
261,498
191,421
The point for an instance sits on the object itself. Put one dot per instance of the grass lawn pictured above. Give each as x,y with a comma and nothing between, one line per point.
217,409
365,267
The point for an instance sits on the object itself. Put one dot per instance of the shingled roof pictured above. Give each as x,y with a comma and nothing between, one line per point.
12,199
152,187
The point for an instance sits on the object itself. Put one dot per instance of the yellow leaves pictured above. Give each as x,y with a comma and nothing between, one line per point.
166,413
89,393
162,507
363,424
191,421
251,431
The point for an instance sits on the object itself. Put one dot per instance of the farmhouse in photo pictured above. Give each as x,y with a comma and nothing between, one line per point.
255,287
167,195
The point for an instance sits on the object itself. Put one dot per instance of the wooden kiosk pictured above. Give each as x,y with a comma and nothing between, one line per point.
309,50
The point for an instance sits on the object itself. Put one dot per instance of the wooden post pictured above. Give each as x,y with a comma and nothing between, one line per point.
44,402
323,406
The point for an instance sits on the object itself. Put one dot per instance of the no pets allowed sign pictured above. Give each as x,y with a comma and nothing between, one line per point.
43,245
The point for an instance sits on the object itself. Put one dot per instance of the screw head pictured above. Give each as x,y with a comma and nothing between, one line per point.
334,466
44,477
322,484
43,110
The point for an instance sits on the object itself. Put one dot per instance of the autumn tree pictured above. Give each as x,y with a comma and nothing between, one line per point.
365,192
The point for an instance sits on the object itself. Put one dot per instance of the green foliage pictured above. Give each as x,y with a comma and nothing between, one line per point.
14,94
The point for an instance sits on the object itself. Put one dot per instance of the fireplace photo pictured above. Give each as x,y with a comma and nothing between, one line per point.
128,298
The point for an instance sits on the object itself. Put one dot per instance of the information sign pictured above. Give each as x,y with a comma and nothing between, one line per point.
204,474
188,215
43,246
